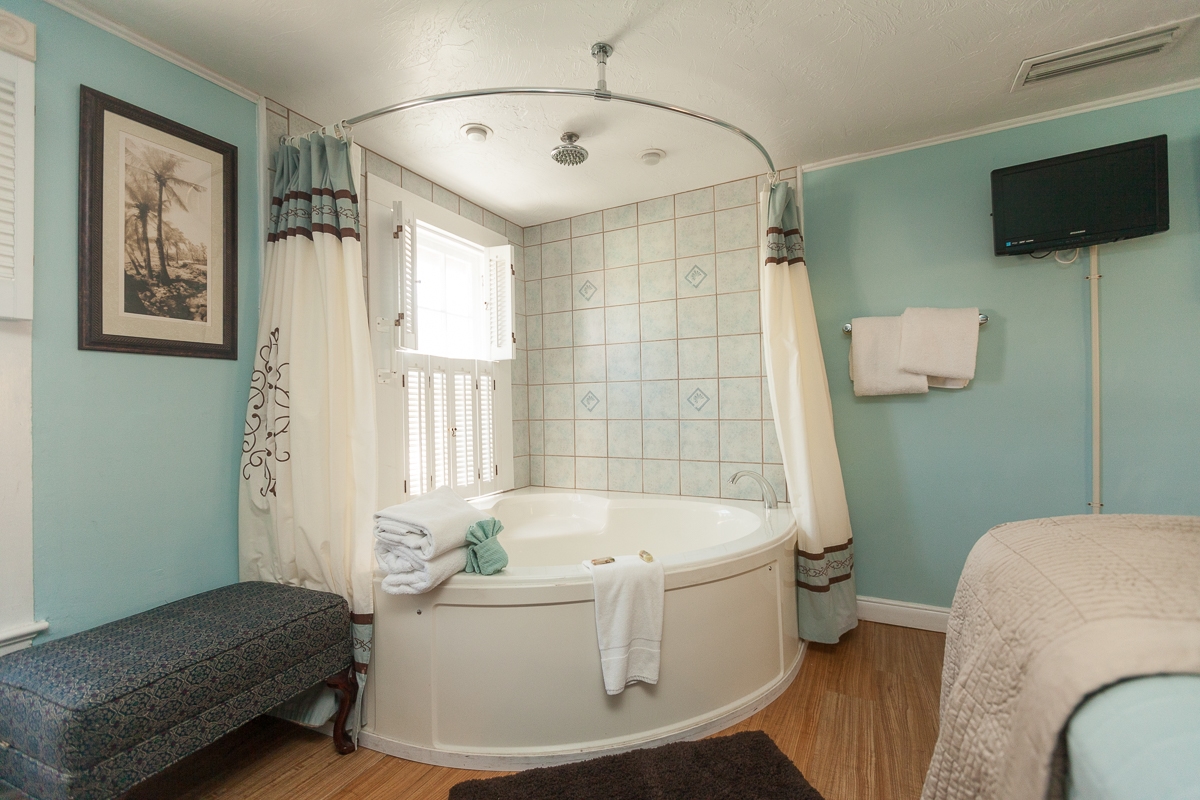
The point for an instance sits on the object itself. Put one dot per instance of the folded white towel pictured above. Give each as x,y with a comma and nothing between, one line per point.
422,575
875,359
629,618
940,343
429,525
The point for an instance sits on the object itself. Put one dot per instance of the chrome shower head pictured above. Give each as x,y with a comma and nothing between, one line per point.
568,153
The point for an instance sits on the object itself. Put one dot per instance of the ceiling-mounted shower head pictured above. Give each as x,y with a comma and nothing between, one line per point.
568,153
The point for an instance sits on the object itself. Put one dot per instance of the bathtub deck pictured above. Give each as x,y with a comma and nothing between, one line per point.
874,699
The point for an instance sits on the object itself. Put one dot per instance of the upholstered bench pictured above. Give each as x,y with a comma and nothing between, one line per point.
90,715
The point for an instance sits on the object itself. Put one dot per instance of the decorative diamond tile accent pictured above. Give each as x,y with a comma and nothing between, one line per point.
589,400
697,399
586,292
695,276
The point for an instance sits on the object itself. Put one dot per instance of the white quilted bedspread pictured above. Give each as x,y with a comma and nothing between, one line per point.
1047,612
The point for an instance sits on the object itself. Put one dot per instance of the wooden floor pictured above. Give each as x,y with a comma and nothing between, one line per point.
859,721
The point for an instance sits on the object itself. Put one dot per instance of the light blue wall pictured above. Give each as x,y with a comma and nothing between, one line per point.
927,475
135,456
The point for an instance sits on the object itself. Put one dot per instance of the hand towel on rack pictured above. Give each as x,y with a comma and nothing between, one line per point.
875,359
429,525
629,618
940,343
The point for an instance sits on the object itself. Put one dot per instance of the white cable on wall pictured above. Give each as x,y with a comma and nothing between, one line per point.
1094,277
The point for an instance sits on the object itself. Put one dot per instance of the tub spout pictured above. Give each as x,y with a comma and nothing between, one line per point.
768,493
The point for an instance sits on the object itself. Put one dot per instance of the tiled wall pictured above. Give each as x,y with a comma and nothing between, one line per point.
645,369
282,121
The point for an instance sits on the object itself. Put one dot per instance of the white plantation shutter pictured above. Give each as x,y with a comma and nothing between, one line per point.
404,232
463,431
501,280
489,469
439,426
16,187
416,430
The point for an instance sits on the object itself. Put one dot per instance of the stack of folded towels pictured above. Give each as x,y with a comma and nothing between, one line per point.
923,347
423,542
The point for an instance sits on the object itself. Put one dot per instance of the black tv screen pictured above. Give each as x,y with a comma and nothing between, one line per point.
1086,198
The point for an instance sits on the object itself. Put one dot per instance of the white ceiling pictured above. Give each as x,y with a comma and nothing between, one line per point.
811,79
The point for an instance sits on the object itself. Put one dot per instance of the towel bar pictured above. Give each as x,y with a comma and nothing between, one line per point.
848,328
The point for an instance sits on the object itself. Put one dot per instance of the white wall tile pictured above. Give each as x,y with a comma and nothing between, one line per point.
660,438
658,320
622,324
591,473
589,326
741,398
513,231
655,210
520,438
560,437
537,402
656,281
587,289
624,438
697,317
556,294
738,356
660,477
625,400
741,440
537,470
694,202
660,400
554,231
621,247
656,242
737,228
533,262
448,200
624,362
520,472
537,438
587,253
589,364
557,366
771,453
699,440
556,258
556,329
699,479
591,439
695,276
533,332
774,473
621,286
737,271
587,223
494,223
533,235
558,401
422,187
735,193
536,361
560,472
694,235
622,217
533,297
660,361
699,399
737,313
474,213
698,357
746,488
624,475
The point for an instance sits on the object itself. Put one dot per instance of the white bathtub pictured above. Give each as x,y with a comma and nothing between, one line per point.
503,671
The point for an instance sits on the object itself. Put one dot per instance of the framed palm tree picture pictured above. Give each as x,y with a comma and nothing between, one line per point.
157,234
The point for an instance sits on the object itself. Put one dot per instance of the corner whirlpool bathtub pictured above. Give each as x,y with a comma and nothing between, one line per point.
503,671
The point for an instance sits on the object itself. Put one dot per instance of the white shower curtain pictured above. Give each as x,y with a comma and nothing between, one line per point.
799,388
308,456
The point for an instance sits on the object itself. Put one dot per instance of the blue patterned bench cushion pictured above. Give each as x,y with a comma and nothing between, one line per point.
89,715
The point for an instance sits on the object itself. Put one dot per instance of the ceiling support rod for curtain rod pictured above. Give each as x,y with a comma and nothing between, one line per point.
596,94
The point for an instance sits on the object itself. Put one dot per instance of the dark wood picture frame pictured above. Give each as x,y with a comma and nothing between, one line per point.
92,335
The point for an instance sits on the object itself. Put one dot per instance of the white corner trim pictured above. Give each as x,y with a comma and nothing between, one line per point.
19,637
906,615
18,36
167,54
1046,116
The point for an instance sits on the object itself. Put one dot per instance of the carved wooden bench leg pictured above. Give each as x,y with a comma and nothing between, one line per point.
346,684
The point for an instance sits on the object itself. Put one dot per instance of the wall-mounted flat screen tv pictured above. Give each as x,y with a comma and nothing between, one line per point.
1086,198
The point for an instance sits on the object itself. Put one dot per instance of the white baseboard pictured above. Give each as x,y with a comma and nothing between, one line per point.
906,615
19,637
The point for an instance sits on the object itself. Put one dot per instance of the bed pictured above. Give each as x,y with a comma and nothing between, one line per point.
1054,624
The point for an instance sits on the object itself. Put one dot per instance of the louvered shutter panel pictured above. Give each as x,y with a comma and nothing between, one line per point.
416,431
464,431
489,470
16,187
501,282
439,427
405,234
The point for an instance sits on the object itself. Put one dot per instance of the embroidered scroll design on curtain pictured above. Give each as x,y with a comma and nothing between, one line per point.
267,387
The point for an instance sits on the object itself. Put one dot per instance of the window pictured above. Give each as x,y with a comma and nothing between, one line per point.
441,303
16,185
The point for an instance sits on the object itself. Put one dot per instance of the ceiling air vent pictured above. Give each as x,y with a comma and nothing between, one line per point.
1110,51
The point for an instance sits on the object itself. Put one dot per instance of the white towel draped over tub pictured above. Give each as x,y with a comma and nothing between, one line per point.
629,618
423,542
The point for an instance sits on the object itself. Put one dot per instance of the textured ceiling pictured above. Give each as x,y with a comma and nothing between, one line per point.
811,79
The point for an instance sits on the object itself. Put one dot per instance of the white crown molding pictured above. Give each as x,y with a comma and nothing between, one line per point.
1069,111
18,36
167,54
906,615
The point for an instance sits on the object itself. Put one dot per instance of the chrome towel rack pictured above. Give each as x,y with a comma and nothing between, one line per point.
848,328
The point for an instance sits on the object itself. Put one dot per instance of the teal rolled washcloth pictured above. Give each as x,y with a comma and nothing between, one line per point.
484,553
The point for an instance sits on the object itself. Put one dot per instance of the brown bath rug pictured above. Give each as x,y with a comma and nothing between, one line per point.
744,766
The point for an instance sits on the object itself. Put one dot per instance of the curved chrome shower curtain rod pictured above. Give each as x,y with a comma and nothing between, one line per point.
601,51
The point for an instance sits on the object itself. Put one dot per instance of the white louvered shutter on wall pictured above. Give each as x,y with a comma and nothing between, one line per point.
489,469
439,425
501,280
16,187
416,428
464,431
404,232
